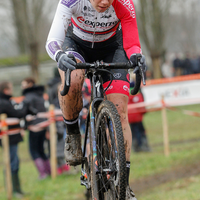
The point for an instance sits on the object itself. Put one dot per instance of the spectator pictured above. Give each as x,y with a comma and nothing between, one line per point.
139,138
52,91
7,107
177,66
187,65
62,166
166,69
53,86
195,65
34,96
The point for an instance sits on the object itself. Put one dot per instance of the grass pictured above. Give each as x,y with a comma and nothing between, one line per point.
183,189
21,60
184,137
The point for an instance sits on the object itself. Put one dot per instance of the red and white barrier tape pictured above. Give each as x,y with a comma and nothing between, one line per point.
56,115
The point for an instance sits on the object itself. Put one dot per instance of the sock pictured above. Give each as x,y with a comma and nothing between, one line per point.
72,126
127,171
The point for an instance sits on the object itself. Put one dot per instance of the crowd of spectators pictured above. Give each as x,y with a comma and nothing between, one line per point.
181,65
13,110
188,65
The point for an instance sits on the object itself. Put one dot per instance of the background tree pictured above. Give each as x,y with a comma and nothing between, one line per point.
152,15
20,17
31,23
185,27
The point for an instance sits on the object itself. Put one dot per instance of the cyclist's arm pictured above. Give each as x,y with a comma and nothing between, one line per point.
125,11
58,30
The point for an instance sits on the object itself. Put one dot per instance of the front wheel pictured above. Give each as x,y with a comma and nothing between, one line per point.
108,174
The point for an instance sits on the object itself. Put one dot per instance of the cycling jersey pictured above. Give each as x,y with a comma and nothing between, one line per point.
94,27
107,51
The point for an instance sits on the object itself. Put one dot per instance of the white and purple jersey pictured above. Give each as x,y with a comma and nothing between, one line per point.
91,26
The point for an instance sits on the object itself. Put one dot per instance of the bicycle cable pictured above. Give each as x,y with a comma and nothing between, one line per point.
111,77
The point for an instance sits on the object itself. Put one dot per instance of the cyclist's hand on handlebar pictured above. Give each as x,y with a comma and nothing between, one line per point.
139,63
65,61
137,59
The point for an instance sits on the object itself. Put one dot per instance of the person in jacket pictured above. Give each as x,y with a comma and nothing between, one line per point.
7,107
53,86
34,96
139,138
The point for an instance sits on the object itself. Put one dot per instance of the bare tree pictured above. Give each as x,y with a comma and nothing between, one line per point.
189,26
19,17
29,17
7,31
151,17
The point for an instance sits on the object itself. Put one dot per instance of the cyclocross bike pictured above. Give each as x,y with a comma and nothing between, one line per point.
103,169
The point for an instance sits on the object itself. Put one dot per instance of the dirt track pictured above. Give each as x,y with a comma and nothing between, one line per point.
177,173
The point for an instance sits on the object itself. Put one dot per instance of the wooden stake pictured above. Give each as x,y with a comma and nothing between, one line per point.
6,156
165,128
53,142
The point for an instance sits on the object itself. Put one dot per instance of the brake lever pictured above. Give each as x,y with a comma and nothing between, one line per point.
68,77
66,82
142,73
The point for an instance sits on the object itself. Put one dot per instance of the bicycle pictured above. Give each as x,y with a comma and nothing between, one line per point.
103,172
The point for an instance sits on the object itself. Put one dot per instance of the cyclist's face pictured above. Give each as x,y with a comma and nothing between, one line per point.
101,5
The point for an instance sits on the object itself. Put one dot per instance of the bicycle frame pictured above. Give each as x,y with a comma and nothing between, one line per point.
96,98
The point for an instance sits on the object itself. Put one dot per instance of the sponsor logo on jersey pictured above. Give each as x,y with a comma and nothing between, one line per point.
87,14
125,87
80,19
135,99
110,88
117,75
106,16
98,24
53,47
129,6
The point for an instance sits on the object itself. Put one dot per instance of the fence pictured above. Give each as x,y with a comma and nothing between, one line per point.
54,115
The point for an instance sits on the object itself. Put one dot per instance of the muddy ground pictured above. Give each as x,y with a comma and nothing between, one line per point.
174,174
179,172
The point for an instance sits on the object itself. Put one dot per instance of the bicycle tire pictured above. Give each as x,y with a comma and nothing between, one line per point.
109,182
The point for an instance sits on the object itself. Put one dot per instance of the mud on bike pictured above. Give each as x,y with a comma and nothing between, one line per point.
103,169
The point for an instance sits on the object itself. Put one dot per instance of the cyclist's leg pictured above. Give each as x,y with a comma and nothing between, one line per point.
118,93
71,104
121,101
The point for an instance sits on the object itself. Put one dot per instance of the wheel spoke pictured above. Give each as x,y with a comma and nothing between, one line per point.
109,180
107,157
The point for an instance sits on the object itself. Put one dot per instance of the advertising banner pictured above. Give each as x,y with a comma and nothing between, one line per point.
174,93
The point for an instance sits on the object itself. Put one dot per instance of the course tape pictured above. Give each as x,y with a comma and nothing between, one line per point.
56,115
51,117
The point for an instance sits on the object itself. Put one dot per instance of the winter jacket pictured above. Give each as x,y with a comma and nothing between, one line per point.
136,116
34,97
53,88
7,108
